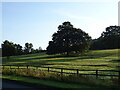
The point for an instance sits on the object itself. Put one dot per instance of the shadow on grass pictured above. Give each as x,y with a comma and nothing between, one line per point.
115,61
95,65
55,59
52,58
30,55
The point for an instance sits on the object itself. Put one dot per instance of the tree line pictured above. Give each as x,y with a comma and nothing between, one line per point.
109,39
11,49
69,39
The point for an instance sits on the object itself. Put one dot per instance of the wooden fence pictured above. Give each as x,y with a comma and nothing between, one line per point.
62,71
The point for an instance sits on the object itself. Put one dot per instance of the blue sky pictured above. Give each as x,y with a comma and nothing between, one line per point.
35,22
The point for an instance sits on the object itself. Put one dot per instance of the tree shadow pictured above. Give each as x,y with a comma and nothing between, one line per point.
115,61
57,58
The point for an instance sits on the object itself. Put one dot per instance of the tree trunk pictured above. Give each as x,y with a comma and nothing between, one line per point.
67,53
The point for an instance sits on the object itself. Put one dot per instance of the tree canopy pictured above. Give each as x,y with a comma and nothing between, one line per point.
109,39
10,49
28,48
68,39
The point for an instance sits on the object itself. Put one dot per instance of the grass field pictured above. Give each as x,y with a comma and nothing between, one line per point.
95,60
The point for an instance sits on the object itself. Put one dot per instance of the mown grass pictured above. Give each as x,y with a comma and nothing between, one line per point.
95,60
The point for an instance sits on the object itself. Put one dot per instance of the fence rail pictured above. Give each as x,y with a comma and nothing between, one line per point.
62,70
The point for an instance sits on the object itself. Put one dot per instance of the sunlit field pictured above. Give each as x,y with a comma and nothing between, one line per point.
94,60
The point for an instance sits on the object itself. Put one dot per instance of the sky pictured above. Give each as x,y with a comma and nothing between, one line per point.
35,22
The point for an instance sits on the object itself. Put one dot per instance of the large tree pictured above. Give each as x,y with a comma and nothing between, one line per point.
68,39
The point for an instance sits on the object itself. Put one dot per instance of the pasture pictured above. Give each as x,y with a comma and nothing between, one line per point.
93,60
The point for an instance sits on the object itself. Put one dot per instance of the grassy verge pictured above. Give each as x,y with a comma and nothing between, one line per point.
57,80
46,82
54,83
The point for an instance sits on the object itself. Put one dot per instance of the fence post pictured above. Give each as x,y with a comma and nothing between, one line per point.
27,68
18,66
48,69
3,66
61,71
10,66
96,74
77,71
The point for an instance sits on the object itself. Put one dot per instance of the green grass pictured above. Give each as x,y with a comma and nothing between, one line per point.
65,78
97,59
45,82
94,60
53,83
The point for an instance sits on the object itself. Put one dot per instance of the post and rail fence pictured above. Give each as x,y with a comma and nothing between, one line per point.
62,70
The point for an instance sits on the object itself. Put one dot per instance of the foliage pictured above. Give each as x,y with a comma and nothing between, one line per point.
110,39
68,39
28,48
18,49
10,49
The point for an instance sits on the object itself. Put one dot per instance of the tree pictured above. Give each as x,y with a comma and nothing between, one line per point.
68,39
109,39
8,48
40,48
28,48
18,49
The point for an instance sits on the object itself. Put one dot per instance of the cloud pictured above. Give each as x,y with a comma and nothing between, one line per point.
73,16
93,26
